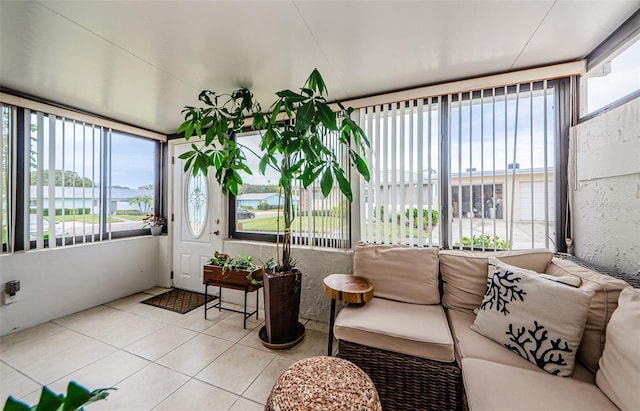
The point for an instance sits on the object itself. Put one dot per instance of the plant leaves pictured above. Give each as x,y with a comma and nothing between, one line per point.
343,183
326,182
77,396
327,116
14,405
263,164
315,82
291,96
183,126
361,166
48,400
186,155
209,135
304,116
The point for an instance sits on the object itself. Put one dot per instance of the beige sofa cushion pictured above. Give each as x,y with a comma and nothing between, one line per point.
470,344
464,273
492,386
604,301
619,373
413,329
539,319
400,273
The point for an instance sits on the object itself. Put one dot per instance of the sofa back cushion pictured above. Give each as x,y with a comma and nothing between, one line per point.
400,273
464,273
606,290
619,373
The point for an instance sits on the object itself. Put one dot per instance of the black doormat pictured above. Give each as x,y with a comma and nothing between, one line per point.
179,301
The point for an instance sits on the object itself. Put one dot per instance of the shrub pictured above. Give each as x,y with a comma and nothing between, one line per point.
340,210
263,206
63,211
379,211
129,212
435,217
484,241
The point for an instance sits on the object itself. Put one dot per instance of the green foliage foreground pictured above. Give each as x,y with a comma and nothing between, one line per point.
76,398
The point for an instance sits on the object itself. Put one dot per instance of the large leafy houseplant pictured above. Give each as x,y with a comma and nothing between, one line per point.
293,143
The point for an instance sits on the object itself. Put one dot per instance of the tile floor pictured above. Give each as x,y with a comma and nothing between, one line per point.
158,359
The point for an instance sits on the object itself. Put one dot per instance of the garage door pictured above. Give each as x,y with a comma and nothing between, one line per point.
526,193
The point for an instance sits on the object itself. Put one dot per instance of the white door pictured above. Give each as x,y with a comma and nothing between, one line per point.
196,223
536,192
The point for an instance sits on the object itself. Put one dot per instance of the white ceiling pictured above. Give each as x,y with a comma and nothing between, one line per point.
140,62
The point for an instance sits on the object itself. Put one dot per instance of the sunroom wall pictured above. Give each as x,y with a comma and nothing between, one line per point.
64,280
606,198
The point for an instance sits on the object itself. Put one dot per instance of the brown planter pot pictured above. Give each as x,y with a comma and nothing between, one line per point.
282,308
236,279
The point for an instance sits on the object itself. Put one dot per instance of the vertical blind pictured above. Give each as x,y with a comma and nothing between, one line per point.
400,203
64,198
497,181
7,140
321,221
317,221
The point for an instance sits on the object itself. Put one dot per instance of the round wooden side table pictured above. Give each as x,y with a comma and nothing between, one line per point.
348,288
323,383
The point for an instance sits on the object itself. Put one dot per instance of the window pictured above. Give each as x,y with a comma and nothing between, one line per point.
612,80
132,177
317,220
472,169
501,169
76,181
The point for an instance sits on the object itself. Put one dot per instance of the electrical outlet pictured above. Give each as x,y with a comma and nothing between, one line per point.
8,299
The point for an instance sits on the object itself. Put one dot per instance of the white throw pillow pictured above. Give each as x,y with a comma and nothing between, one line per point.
539,319
619,373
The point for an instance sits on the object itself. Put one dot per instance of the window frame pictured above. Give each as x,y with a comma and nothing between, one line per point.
611,46
18,164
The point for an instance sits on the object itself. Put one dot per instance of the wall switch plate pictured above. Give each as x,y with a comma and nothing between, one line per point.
8,299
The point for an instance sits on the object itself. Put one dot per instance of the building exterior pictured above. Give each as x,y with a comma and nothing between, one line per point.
253,200
120,199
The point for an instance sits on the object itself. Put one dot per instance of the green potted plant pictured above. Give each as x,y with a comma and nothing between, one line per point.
292,143
239,271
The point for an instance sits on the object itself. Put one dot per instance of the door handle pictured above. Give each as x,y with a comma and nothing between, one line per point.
217,232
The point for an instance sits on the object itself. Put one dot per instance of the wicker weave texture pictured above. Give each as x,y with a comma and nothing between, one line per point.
321,384
405,382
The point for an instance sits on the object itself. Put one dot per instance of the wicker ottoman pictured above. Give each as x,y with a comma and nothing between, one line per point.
323,383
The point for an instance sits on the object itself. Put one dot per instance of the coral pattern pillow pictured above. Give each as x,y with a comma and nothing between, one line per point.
539,319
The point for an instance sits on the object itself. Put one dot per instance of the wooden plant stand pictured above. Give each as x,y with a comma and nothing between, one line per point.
232,279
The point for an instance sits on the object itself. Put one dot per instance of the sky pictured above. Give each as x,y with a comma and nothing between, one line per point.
623,79
133,159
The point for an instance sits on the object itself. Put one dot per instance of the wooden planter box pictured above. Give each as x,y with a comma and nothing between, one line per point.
235,279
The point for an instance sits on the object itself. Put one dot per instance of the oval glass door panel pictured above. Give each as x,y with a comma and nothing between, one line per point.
196,202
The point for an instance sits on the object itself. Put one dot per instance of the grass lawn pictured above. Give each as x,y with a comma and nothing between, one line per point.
407,233
83,218
269,224
94,218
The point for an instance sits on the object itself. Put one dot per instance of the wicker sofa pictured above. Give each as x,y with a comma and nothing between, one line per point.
415,340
